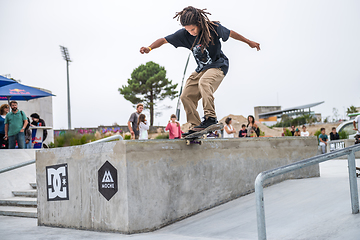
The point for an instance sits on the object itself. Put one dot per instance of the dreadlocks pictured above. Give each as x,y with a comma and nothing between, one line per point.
198,17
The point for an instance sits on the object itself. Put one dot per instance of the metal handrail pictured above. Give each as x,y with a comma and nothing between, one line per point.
19,165
111,138
350,151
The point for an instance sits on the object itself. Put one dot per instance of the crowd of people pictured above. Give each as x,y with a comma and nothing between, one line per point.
139,126
15,127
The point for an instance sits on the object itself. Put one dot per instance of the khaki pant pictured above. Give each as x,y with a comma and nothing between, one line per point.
201,85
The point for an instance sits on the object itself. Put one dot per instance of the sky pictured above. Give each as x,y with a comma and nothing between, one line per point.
310,52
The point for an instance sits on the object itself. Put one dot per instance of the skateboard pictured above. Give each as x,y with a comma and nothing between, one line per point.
195,138
358,169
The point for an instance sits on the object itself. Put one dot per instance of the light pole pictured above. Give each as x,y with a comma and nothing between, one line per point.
182,83
66,57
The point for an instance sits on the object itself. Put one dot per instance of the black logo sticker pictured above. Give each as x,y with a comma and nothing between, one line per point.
107,179
57,182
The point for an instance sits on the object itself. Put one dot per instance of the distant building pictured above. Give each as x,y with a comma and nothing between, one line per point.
265,109
271,114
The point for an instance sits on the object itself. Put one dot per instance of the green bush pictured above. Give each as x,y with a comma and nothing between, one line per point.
162,136
51,145
127,137
343,135
317,133
288,133
72,139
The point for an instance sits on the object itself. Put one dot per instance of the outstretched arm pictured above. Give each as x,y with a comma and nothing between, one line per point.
239,37
156,44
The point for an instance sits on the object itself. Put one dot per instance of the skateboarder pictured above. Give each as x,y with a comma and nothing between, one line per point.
202,37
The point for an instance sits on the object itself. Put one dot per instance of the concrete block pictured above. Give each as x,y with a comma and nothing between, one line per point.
161,181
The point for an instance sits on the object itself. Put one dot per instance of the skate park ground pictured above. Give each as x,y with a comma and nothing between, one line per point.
313,208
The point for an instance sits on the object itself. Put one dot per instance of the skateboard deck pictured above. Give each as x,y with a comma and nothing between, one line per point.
195,137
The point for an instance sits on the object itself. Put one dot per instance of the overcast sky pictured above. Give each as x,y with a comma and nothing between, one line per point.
310,52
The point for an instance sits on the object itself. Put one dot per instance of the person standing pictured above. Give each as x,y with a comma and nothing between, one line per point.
323,139
252,128
174,128
229,129
133,121
243,131
334,135
15,124
4,109
304,133
292,130
37,121
297,133
142,127
202,37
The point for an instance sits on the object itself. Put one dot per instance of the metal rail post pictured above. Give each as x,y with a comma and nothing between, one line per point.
260,210
353,183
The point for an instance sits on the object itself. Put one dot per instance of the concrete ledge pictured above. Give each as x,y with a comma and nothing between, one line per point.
162,181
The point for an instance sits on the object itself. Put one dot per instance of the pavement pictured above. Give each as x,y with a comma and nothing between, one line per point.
313,208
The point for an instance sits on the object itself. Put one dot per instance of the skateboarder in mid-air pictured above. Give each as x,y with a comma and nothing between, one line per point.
202,37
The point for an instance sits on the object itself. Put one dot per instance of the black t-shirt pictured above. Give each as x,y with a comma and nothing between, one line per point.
212,57
334,136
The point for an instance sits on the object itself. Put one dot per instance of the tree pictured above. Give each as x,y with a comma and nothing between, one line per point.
148,84
351,109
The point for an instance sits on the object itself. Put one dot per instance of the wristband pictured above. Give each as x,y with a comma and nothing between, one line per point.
149,48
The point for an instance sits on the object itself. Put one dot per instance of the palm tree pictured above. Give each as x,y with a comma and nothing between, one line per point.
351,109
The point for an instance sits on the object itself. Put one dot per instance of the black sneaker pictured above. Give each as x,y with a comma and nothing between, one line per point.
206,123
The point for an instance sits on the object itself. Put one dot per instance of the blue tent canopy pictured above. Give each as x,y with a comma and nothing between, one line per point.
19,92
4,81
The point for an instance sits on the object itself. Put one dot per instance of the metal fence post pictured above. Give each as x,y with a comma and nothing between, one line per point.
353,183
260,211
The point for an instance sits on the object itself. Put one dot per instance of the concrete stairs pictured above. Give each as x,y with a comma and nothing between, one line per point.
23,204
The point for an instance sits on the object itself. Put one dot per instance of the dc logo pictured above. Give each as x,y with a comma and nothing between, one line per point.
57,182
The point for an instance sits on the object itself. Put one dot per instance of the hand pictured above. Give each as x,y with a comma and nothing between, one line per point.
27,141
132,133
144,50
6,137
22,130
254,45
355,129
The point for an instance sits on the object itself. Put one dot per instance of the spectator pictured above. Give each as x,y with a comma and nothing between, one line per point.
323,138
243,131
292,130
357,136
174,128
133,120
357,120
4,109
304,133
283,134
143,126
28,135
228,129
297,132
252,128
37,121
15,124
334,135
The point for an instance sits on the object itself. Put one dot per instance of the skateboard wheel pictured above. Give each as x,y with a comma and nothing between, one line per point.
204,136
187,142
